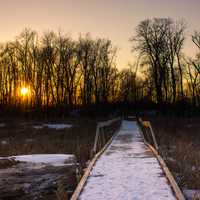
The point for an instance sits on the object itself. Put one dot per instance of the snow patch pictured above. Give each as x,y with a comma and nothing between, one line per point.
38,127
55,160
52,126
4,142
191,194
2,125
30,140
57,126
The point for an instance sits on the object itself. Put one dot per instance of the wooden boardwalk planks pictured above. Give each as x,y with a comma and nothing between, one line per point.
127,169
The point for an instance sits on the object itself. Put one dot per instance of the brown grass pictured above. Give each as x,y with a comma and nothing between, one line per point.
19,137
22,138
179,142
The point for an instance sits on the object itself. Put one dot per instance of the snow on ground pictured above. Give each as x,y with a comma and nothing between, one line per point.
127,170
191,194
32,180
2,125
57,126
4,142
53,126
55,160
38,127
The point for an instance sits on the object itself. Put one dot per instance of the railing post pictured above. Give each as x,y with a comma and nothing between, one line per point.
96,139
147,124
153,136
100,125
103,136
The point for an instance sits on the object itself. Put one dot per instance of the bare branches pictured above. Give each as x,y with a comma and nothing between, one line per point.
60,71
196,39
159,42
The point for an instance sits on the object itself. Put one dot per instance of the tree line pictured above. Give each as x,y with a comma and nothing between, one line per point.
64,73
58,71
170,76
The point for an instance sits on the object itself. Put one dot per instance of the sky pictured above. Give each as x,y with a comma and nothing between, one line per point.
113,19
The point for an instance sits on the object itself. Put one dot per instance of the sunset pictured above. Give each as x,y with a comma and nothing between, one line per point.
113,19
24,91
99,100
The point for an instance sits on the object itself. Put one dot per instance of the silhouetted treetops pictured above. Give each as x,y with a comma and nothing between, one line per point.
65,73
170,77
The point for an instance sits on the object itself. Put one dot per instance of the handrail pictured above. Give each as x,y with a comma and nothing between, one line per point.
177,191
168,174
147,124
101,125
85,176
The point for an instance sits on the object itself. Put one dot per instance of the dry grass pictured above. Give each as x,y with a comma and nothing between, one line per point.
61,193
179,141
19,137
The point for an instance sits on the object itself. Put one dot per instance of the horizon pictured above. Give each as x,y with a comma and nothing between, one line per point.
99,99
117,23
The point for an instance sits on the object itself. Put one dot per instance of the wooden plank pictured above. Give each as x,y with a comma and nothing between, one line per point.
140,129
109,122
145,124
107,185
153,136
168,174
178,193
96,139
83,180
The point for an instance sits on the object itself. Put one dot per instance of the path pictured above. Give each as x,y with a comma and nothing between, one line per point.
127,170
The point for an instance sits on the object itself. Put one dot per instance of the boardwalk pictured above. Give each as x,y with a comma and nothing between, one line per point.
127,170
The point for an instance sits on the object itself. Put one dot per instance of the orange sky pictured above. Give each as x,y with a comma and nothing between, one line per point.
113,19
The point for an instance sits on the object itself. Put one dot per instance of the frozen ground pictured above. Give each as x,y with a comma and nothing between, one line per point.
36,176
2,125
191,194
48,159
127,170
53,126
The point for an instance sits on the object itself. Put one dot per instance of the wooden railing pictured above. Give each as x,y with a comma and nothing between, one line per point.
98,149
150,140
101,136
147,133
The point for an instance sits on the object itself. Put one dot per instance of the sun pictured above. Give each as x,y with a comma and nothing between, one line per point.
24,91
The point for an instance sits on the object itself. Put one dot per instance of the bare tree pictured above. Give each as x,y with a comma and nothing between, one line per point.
159,42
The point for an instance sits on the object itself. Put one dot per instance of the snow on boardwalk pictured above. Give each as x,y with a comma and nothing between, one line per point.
127,170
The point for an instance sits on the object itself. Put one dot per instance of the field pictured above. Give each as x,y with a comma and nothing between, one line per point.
179,142
22,137
19,136
30,137
178,139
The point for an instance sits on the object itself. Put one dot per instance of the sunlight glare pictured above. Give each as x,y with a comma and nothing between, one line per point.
24,91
